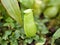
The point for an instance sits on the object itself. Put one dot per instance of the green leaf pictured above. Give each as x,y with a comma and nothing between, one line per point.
6,34
17,34
42,28
9,20
29,41
9,25
41,42
13,9
4,42
36,38
57,34
29,24
13,42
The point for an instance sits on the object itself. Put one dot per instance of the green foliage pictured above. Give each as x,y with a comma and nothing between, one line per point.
55,36
25,22
7,33
13,9
13,42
